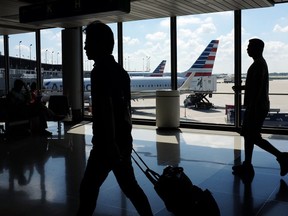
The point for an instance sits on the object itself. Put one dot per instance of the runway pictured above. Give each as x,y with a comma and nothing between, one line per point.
146,108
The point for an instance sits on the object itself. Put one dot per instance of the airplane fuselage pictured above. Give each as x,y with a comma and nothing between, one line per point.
138,84
143,87
153,83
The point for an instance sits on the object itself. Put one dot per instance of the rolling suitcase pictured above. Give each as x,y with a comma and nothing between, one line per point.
179,194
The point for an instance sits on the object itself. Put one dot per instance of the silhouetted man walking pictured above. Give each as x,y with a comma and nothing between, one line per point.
257,105
112,139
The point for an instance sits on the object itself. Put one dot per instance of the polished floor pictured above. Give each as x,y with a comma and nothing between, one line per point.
40,176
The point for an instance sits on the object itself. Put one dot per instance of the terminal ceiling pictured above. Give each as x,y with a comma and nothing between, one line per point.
140,10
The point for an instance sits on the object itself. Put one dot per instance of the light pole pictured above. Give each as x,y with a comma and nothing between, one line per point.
148,63
46,55
20,53
20,48
57,57
30,56
52,56
30,51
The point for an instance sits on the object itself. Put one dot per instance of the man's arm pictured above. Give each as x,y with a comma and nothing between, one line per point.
238,88
110,127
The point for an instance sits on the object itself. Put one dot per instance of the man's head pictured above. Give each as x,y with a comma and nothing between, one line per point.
255,48
99,40
33,86
18,84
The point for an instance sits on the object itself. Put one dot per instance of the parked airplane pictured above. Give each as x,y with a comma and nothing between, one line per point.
158,72
189,80
145,87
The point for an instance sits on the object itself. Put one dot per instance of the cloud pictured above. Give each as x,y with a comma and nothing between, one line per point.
157,36
208,28
186,20
130,41
278,28
186,33
165,23
51,35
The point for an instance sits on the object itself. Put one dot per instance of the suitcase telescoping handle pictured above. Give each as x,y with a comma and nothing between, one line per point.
150,174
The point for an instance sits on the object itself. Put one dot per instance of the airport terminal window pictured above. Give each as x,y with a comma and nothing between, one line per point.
22,58
194,33
209,95
274,35
2,68
51,62
146,46
147,42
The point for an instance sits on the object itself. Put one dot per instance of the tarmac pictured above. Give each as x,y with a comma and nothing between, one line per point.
146,108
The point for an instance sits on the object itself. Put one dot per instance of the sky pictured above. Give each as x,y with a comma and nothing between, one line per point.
146,43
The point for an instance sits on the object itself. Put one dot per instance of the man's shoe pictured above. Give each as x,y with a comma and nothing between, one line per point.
244,171
283,161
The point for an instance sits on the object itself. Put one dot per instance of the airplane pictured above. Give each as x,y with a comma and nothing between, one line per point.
158,72
55,84
145,87
191,79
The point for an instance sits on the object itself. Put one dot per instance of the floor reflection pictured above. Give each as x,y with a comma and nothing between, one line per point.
40,176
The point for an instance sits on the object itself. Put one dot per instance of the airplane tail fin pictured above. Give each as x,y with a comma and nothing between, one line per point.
159,70
203,66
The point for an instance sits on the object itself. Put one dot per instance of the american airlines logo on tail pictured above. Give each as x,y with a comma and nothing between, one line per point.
203,66
159,70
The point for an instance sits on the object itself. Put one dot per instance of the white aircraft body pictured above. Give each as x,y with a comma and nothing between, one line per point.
145,87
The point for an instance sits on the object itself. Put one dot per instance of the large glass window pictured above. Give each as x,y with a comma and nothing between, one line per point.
2,67
146,46
147,53
51,53
205,47
51,62
22,58
274,35
149,40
